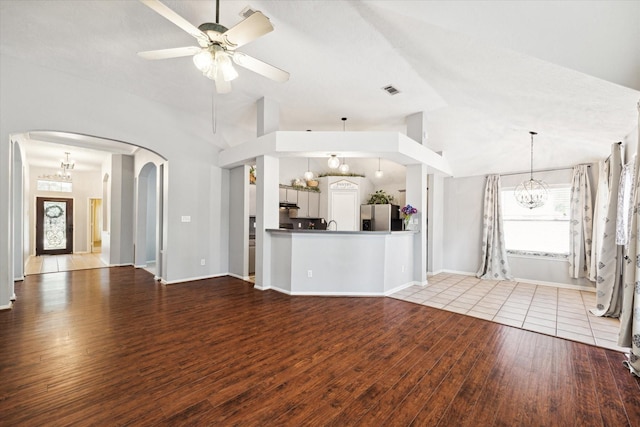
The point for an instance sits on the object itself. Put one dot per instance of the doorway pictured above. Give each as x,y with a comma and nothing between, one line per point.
54,226
95,226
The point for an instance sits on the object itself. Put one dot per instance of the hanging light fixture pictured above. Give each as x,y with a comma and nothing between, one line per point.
344,168
379,173
532,193
66,164
308,175
333,162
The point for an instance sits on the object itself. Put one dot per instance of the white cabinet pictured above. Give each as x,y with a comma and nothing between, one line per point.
288,195
303,204
314,204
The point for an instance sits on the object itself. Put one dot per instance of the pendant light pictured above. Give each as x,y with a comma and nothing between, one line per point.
379,173
333,162
532,193
344,168
308,175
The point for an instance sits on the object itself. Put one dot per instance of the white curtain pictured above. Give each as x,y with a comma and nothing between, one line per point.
581,223
494,253
599,213
609,261
625,195
630,314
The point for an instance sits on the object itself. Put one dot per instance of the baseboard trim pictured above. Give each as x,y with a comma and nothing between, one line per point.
128,264
464,273
534,282
19,279
140,266
557,285
7,307
192,279
237,276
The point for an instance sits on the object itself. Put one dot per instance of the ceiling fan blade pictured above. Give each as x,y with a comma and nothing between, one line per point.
222,86
178,20
254,26
170,53
262,68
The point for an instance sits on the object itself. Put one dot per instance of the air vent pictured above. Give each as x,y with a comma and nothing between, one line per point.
391,90
247,12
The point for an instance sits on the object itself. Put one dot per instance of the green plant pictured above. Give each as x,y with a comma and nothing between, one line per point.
323,174
380,197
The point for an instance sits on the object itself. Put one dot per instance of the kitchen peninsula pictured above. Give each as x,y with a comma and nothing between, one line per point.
342,262
362,263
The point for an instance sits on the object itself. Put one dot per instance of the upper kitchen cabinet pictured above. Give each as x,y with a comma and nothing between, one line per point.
288,195
303,204
314,204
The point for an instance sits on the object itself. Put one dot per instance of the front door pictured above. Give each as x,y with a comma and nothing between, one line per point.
54,226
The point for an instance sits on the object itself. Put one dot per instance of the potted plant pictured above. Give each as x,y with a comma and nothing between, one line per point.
380,197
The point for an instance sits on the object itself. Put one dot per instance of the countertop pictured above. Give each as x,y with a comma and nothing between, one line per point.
326,232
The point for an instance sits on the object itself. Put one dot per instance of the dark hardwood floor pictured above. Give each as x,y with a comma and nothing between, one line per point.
112,347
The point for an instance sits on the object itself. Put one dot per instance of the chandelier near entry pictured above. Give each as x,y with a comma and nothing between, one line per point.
532,193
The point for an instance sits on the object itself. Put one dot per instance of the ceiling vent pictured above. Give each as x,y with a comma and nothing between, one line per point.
246,12
391,90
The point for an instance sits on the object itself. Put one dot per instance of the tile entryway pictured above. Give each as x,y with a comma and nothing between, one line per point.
559,312
55,263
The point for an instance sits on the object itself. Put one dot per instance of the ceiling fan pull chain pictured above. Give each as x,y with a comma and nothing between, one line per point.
214,113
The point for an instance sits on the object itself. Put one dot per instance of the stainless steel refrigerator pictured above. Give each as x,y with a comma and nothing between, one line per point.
380,218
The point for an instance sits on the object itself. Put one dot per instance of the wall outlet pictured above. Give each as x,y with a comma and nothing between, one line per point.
403,268
185,218
202,261
309,273
299,225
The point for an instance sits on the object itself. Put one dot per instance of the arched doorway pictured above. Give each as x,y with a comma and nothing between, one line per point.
112,169
146,252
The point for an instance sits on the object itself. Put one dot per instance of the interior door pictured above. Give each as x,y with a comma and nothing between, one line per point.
54,226
345,210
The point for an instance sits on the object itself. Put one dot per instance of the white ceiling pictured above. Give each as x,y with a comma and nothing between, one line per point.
485,73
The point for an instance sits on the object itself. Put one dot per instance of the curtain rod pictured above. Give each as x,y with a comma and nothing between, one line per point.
544,170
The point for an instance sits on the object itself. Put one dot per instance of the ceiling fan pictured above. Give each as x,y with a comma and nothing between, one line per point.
218,46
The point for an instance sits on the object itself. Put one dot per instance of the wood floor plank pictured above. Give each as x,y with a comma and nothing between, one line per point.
114,347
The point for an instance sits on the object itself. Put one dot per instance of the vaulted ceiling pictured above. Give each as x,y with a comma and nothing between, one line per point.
484,72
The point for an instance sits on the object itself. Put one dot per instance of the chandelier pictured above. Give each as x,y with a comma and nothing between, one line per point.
532,193
63,174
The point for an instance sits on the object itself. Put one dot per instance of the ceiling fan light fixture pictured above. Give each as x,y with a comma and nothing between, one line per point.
225,67
203,60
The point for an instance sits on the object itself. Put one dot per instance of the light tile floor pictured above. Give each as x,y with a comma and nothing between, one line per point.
549,310
56,263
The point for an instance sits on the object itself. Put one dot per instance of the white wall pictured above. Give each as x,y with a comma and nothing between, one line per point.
37,98
239,221
463,211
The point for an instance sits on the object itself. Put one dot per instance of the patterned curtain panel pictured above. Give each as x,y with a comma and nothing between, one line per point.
609,262
494,253
599,212
581,223
630,314
625,195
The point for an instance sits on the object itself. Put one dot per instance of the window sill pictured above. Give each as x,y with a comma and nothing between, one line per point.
538,255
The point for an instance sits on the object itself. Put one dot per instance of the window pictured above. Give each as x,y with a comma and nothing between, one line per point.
543,230
59,186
